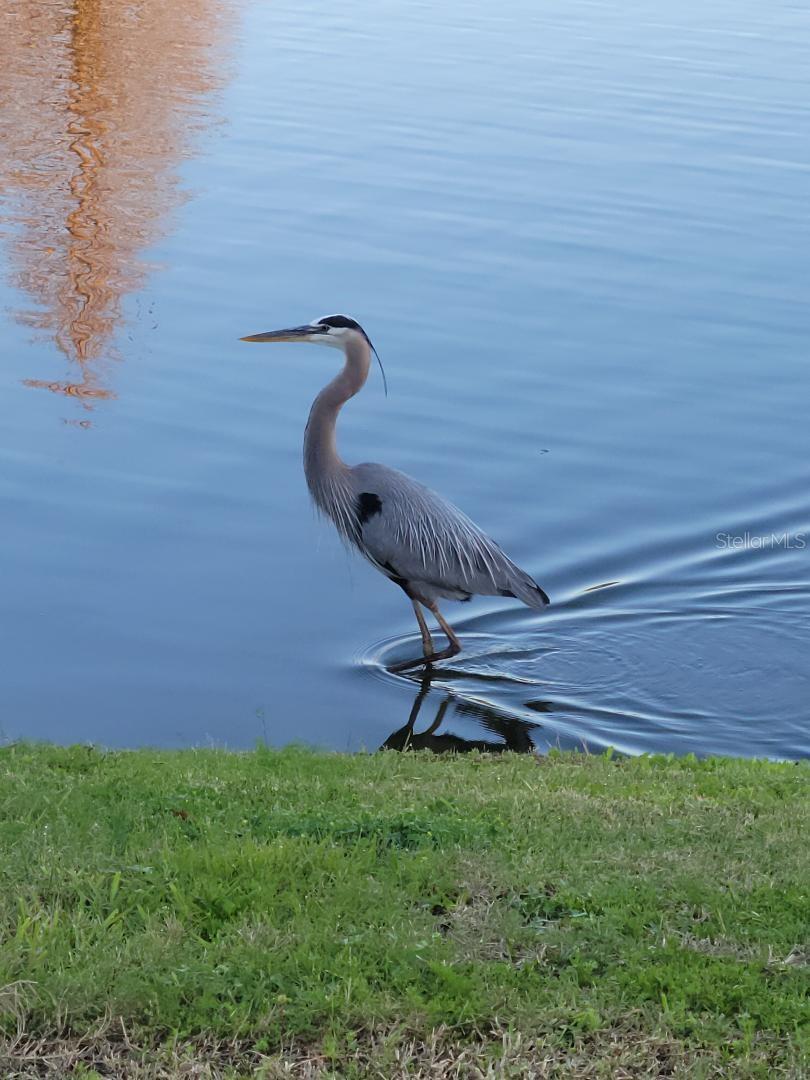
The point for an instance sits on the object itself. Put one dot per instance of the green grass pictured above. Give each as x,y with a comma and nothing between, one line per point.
292,913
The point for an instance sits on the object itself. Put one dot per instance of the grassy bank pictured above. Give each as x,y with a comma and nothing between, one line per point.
388,915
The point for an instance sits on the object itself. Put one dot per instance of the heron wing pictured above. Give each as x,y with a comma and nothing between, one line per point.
416,537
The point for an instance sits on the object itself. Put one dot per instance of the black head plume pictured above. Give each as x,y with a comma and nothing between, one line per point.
343,322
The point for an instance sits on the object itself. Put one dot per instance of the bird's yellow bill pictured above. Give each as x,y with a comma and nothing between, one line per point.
295,333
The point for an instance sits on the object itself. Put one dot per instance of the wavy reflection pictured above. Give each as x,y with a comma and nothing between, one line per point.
511,732
100,100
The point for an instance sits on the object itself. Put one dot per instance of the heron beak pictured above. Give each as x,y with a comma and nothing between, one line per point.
296,333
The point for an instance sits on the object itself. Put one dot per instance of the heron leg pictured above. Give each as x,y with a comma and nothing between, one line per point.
455,645
430,656
427,640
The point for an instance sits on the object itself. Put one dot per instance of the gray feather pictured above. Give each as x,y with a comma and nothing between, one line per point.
406,530
415,535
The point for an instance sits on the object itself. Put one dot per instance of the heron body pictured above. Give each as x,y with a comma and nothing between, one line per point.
420,541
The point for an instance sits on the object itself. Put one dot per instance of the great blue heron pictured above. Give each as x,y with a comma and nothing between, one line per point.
413,536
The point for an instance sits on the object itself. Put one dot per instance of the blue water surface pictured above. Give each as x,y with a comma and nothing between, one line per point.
577,234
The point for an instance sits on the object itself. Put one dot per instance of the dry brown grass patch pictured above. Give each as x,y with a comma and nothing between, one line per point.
619,1053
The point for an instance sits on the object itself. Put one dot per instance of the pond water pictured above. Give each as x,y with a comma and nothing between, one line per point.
577,234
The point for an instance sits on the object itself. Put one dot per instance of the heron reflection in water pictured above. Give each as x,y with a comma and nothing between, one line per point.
416,538
512,732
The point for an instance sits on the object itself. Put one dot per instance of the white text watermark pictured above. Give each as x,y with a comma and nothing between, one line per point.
754,541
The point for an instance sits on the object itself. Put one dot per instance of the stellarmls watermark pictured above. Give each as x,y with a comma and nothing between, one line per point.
753,541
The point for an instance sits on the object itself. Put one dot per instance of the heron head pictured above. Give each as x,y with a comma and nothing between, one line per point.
334,330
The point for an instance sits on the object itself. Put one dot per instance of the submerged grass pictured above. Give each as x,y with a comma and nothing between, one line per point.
290,913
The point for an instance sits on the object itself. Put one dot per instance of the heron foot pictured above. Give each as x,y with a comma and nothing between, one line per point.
429,658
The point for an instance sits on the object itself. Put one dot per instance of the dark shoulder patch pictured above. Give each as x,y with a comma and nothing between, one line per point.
368,504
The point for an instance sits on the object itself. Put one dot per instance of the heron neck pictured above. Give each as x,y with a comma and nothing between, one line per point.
321,459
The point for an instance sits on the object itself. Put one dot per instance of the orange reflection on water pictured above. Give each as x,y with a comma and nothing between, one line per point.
100,100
